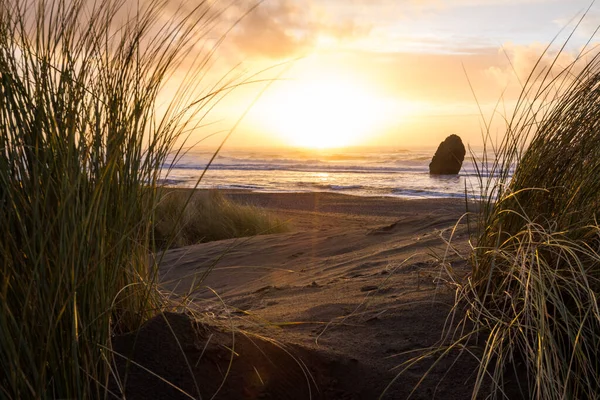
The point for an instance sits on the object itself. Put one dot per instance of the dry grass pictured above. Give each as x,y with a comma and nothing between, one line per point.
535,281
182,220
531,303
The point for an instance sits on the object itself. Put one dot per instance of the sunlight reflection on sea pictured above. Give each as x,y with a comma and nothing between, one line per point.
364,172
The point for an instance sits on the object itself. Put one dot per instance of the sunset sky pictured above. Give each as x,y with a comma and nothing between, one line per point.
386,72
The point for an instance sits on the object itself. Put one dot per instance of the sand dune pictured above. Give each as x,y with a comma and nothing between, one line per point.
355,285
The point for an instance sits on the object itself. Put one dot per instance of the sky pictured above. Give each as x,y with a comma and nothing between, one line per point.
392,73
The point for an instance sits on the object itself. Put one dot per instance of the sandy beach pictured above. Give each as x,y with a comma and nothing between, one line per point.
329,310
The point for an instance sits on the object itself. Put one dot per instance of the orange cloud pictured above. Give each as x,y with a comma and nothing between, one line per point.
281,29
535,61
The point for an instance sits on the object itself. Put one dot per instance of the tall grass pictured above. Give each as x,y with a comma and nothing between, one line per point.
535,282
80,144
206,216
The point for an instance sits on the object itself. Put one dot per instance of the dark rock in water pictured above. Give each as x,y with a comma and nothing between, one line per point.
449,157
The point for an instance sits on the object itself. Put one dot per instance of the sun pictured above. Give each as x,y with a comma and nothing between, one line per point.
322,114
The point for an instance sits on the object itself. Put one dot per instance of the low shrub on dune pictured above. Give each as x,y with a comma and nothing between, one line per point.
206,216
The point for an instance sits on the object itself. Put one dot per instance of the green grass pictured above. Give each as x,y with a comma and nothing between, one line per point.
81,148
206,216
535,283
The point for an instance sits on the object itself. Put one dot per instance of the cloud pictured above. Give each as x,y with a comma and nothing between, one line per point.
532,62
287,28
473,3
273,29
584,26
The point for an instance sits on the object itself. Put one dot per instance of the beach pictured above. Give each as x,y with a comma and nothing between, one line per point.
330,309
280,200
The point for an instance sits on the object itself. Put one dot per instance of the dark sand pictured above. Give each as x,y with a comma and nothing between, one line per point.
326,311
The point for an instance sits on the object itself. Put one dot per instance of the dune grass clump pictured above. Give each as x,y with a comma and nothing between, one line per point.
535,281
81,149
207,216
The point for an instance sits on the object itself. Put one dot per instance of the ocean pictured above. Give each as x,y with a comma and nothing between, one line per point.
360,172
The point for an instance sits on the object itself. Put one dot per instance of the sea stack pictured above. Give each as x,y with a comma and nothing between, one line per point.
449,157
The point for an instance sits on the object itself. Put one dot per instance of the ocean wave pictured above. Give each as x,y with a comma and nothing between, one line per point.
318,185
171,181
304,157
338,187
418,193
240,186
228,160
324,168
345,187
303,168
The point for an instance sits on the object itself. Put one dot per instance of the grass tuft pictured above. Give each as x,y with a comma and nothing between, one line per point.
207,216
535,281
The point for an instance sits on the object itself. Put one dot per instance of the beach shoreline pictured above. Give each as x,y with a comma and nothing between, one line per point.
325,201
